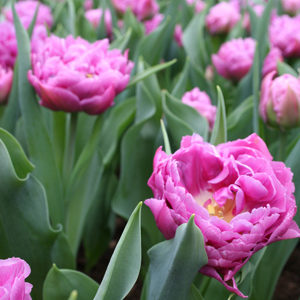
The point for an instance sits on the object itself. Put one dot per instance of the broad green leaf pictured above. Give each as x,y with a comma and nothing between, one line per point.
239,121
256,87
150,71
138,147
180,86
60,283
38,142
125,263
175,263
25,230
219,133
182,120
71,19
284,68
122,42
195,293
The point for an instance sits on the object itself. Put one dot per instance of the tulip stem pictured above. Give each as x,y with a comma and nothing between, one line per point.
70,146
282,145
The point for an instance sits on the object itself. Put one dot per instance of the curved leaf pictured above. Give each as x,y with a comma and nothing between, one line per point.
125,263
175,263
219,133
59,283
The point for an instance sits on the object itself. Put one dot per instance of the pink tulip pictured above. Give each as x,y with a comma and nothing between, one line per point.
202,103
26,10
142,9
291,6
88,4
242,200
235,58
280,100
222,18
6,78
8,44
152,24
199,5
178,34
270,62
73,75
284,34
13,272
94,16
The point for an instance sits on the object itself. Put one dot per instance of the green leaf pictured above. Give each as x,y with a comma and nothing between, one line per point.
25,230
239,121
122,42
71,18
219,133
182,120
175,263
195,293
284,68
150,71
166,138
38,142
256,89
60,283
125,263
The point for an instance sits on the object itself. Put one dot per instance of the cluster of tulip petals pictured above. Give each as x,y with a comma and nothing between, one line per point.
241,198
73,75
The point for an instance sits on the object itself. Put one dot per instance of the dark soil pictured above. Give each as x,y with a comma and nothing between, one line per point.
288,286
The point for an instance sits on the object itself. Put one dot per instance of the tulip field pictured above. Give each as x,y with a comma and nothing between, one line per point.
149,149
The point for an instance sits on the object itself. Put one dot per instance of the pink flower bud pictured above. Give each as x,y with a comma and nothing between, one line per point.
202,103
73,75
88,4
152,24
271,60
291,6
199,5
6,78
242,200
280,100
222,17
235,58
142,9
284,34
26,10
178,33
94,16
13,272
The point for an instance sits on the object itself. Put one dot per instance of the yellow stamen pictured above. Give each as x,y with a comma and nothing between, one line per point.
88,75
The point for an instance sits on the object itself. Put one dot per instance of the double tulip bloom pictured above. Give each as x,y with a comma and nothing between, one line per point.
202,103
235,58
142,9
242,200
13,272
271,60
285,35
74,75
222,18
280,100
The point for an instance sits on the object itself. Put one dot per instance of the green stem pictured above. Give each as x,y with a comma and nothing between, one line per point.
70,146
282,145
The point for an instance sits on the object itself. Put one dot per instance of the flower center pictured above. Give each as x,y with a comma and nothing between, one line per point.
205,199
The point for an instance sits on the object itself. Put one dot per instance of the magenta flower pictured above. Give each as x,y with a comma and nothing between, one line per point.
13,272
199,5
178,34
291,6
202,103
73,75
152,24
241,198
94,16
142,9
235,58
270,62
284,34
222,17
6,78
258,9
88,4
26,10
280,100
8,45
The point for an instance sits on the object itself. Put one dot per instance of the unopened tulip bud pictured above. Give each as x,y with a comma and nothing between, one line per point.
6,77
280,100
